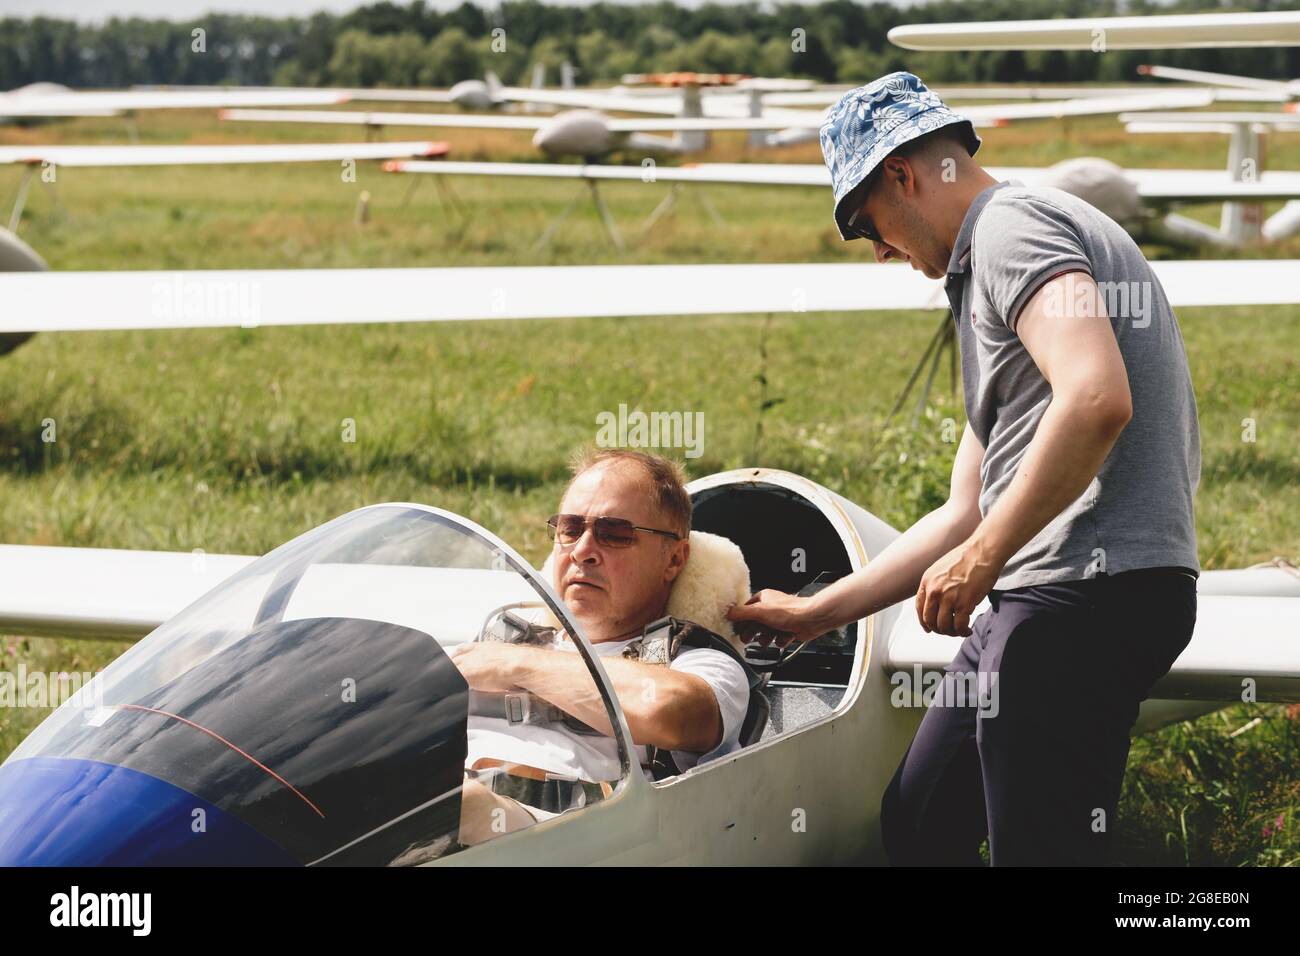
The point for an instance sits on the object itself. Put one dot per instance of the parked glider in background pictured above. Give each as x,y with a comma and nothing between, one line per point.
41,158
578,132
588,133
1242,221
1139,199
16,105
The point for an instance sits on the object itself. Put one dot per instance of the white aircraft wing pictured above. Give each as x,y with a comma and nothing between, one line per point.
1193,128
51,112
824,97
1208,187
89,301
717,103
42,104
348,94
81,301
762,174
1226,282
1182,185
104,593
123,595
209,155
991,115
984,115
1247,627
1197,30
664,102
1233,93
1091,105
769,174
1154,185
353,118
1259,118
1236,94
789,119
772,120
1280,90
381,95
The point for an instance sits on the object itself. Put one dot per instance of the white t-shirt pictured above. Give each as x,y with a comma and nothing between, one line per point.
558,750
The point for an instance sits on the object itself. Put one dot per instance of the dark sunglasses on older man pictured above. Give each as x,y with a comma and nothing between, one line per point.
610,532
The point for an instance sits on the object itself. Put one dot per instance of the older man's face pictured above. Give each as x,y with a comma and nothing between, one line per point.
613,590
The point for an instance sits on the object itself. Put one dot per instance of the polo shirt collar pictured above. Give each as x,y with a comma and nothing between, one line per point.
960,260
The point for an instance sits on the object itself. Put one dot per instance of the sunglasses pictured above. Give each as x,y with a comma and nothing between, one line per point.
610,532
866,230
860,224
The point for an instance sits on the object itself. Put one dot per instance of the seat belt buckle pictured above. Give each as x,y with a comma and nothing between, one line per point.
518,708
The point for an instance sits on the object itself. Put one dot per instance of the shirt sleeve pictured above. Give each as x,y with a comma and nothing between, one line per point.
731,688
1020,244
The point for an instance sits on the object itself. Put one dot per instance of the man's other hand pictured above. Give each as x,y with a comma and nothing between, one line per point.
952,587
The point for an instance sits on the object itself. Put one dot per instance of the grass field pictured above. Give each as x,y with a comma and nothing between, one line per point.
230,440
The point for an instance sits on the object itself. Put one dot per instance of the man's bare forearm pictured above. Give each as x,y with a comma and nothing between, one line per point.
895,573
663,707
562,679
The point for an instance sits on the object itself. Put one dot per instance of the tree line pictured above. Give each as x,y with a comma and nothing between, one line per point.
386,44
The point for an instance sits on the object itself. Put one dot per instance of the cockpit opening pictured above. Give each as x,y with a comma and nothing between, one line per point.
789,545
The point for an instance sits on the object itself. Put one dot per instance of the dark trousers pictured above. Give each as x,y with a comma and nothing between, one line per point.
1027,739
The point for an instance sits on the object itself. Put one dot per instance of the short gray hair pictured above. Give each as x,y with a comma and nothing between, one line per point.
667,480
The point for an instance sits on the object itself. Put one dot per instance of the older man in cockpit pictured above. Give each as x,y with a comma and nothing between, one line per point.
621,540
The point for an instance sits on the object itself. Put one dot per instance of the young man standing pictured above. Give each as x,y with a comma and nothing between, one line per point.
1071,494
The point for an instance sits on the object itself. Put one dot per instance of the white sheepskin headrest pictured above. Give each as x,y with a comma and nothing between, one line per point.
714,578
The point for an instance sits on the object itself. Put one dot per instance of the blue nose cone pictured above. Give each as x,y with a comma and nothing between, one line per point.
62,811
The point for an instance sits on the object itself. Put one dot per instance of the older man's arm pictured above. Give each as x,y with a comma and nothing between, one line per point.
664,707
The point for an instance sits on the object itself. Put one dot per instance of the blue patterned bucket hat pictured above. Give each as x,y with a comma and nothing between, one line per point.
868,123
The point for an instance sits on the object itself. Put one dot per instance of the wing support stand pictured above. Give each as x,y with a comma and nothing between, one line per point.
20,197
668,205
944,339
1241,221
606,219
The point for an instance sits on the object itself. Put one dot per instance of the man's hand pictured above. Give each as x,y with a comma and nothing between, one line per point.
776,616
954,585
487,666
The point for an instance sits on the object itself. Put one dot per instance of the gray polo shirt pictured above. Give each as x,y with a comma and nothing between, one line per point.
1137,511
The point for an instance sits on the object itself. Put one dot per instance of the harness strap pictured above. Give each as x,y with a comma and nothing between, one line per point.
522,707
661,642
